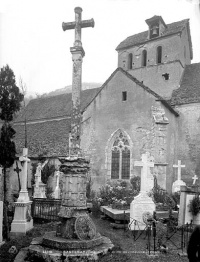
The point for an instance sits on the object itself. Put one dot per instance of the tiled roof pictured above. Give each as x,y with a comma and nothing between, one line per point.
54,106
189,90
49,138
143,37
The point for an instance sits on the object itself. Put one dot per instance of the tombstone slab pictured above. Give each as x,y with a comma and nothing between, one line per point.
142,203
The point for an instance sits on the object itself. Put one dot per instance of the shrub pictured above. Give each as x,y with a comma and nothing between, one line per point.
194,205
117,194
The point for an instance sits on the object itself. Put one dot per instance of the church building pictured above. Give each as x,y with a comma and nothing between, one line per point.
150,103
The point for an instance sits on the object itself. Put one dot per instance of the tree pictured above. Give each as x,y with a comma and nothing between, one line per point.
10,103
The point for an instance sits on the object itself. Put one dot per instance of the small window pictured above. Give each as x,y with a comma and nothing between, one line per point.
144,58
124,96
159,54
130,61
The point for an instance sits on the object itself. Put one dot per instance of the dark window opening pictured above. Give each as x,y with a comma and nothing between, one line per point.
124,96
130,61
154,31
159,54
166,76
115,164
144,57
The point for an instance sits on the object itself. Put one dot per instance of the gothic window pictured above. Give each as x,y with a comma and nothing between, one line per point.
159,54
120,159
130,61
144,58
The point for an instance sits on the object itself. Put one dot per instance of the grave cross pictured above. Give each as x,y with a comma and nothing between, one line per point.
146,163
77,56
18,170
179,166
194,178
25,160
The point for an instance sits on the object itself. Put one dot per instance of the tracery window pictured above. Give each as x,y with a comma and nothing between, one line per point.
120,159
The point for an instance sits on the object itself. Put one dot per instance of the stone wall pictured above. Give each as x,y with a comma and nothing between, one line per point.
154,75
108,113
189,140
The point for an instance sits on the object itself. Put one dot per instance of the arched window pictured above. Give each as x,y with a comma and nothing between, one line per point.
144,58
130,61
159,54
120,158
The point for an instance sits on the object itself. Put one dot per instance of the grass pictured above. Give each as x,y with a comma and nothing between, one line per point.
125,250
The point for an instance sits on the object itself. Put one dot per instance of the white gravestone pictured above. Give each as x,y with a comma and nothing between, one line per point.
22,221
178,183
39,187
57,189
194,178
142,203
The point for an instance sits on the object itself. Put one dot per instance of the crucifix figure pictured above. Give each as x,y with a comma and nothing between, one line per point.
146,163
78,53
179,166
194,178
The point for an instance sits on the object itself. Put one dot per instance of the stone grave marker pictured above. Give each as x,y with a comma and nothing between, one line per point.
39,187
178,183
142,203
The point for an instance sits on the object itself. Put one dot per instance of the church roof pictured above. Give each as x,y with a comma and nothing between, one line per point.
142,37
189,90
48,124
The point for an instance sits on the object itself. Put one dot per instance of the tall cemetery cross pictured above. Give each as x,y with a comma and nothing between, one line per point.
179,166
145,164
78,53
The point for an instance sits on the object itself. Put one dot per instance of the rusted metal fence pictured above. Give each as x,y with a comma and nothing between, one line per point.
46,209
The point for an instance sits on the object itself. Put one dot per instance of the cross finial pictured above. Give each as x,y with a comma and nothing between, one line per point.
179,166
194,178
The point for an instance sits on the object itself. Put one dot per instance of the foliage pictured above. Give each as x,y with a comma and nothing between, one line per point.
194,205
90,194
47,171
135,182
162,198
117,193
49,193
10,102
10,96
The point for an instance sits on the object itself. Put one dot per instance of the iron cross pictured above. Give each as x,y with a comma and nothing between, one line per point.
77,25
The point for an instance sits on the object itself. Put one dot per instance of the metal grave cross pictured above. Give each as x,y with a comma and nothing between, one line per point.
194,178
146,163
179,166
77,25
18,170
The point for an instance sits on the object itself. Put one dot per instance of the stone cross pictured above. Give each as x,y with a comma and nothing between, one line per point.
18,170
195,177
23,195
77,56
146,163
24,158
179,166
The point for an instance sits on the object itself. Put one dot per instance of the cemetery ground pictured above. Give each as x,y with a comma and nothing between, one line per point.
125,248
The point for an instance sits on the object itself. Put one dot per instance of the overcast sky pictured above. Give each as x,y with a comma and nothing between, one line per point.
34,45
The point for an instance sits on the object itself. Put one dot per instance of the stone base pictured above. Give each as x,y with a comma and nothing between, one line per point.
141,204
76,255
19,228
51,240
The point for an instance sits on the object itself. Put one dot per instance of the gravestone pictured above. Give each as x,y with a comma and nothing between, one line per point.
22,221
57,188
178,183
39,187
142,203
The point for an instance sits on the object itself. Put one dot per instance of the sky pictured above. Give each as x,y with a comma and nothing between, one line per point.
36,48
